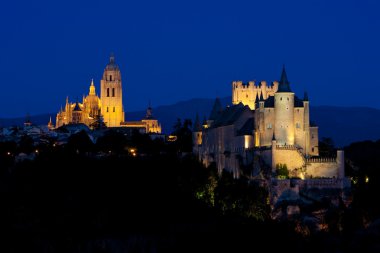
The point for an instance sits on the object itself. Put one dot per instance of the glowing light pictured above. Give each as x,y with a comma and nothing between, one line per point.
36,151
172,138
366,179
132,150
246,141
8,153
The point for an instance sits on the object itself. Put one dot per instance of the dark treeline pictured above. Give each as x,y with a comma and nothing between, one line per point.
69,199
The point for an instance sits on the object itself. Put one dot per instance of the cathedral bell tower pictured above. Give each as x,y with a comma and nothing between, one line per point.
111,95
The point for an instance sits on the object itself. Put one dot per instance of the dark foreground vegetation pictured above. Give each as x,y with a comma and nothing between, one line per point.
87,197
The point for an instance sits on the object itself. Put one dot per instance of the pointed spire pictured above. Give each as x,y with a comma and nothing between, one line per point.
261,97
197,124
216,109
50,124
92,88
77,107
149,112
284,83
305,97
257,98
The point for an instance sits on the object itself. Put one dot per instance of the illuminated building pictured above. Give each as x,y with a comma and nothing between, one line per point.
274,128
108,108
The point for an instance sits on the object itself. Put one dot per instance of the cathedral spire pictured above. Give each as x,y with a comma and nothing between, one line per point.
92,88
261,97
149,112
284,83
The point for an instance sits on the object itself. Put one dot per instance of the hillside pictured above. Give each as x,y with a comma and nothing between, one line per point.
343,124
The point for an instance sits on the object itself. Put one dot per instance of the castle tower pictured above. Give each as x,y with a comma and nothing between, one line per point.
284,112
216,110
197,132
306,125
111,95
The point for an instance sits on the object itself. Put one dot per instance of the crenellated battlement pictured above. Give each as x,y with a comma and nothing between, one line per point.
246,93
321,160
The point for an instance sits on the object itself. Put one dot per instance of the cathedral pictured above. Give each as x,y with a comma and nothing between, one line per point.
108,108
267,123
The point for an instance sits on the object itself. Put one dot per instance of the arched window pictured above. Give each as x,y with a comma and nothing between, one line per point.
108,92
113,92
107,108
110,77
114,109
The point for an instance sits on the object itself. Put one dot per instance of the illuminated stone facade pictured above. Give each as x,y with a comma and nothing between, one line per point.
108,108
274,128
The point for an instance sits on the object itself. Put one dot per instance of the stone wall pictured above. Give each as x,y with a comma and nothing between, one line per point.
290,156
322,169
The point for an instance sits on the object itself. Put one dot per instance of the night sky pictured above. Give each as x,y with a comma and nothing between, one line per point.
176,50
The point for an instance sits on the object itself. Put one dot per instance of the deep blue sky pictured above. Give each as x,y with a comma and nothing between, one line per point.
175,50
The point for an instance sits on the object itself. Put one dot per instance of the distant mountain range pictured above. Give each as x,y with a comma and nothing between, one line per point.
343,124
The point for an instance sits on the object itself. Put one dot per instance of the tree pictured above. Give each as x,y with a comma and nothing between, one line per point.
282,171
80,142
98,123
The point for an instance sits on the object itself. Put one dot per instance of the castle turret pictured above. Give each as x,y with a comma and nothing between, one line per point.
284,112
111,95
216,110
340,162
197,132
274,143
306,126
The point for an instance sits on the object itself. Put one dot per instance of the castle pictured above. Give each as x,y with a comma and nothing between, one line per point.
265,124
108,108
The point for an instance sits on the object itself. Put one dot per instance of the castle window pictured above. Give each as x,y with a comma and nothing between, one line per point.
108,92
269,126
288,99
312,149
107,108
113,92
298,125
114,109
281,99
110,77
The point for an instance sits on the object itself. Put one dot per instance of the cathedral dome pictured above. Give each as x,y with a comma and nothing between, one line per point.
112,66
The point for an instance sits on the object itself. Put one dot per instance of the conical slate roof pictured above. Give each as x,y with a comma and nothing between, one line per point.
197,124
216,109
283,85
